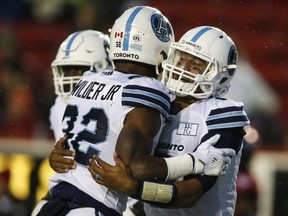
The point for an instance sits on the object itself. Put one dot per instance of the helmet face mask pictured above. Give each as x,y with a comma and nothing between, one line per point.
188,71
79,52
66,77
141,34
201,64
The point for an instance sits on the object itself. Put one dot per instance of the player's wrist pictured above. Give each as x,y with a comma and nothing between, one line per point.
132,187
179,166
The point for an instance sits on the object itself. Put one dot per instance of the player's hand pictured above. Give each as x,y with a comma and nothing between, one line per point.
118,177
58,157
209,160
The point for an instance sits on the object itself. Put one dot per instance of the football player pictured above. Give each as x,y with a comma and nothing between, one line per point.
79,52
198,72
124,109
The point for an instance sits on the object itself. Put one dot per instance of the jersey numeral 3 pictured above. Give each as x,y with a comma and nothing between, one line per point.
95,136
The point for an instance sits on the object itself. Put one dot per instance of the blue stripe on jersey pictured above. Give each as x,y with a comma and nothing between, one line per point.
128,27
227,114
69,44
136,96
200,33
226,109
148,91
228,117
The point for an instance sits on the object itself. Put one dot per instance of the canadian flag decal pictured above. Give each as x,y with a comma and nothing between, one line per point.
118,34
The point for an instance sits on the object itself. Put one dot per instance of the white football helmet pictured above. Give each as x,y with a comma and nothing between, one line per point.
142,34
81,51
201,64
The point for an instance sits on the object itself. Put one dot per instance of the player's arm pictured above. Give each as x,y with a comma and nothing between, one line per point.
164,194
134,147
179,194
186,193
134,144
191,189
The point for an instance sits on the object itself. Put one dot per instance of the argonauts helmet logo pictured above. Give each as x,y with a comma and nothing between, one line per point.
161,27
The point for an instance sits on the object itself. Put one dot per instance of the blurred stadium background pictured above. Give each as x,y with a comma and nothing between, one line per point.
32,30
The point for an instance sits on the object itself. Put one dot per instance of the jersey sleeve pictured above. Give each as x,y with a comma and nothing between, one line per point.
227,117
152,95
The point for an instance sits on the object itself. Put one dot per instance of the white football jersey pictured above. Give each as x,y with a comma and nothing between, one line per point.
94,118
183,133
56,114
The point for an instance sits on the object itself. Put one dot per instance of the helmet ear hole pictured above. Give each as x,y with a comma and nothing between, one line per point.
164,54
231,72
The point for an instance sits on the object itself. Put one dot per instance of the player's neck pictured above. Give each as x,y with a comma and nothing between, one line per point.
181,103
135,68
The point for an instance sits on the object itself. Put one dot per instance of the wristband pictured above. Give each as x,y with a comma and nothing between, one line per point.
179,166
160,194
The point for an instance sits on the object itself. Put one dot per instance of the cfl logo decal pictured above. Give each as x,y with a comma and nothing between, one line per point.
161,27
136,38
